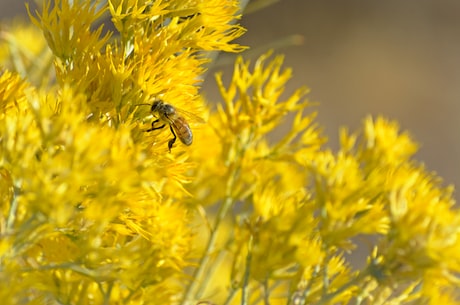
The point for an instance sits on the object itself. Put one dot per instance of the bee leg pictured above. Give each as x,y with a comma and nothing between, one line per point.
171,142
155,128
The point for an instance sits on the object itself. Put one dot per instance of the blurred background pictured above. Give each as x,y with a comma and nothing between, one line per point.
400,59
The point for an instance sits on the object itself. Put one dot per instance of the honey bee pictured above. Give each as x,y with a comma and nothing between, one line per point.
174,117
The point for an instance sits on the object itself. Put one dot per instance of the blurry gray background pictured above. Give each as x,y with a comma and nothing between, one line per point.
400,59
397,58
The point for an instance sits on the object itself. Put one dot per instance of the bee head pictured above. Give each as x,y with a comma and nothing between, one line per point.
156,105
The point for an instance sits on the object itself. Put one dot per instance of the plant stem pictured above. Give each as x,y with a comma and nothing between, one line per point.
244,290
210,247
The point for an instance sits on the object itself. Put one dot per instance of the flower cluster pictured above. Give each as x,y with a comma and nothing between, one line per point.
292,213
95,210
92,206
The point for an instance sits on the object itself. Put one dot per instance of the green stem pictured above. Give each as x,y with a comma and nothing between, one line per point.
266,292
328,297
216,263
12,213
210,247
244,292
230,296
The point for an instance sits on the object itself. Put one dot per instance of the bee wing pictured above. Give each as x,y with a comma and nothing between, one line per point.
183,131
193,117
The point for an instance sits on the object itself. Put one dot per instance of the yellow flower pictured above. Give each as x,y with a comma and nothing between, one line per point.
346,205
424,230
96,210
383,143
23,49
92,209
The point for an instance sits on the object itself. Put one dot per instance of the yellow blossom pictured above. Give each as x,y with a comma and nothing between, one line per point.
24,50
96,210
92,209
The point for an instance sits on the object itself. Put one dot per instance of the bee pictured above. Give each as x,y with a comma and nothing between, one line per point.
174,117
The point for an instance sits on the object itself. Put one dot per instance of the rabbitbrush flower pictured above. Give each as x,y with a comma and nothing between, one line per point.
94,210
